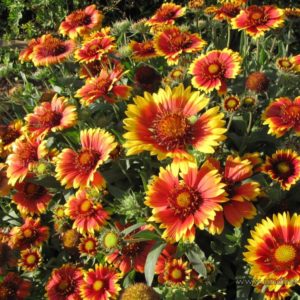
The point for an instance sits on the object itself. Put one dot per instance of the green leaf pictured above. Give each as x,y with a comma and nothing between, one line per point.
195,256
129,229
147,235
151,261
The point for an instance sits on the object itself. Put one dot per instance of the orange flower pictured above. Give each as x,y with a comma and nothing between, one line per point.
283,115
79,169
13,286
172,42
24,157
176,273
26,54
166,14
211,70
30,259
30,234
31,198
51,50
4,186
283,167
274,292
104,86
64,283
239,193
231,103
256,20
142,50
54,116
88,245
100,283
81,22
227,12
296,61
186,201
96,46
87,214
161,124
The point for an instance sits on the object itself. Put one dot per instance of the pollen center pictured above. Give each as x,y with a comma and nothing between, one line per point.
97,285
183,199
87,160
89,245
286,63
176,274
31,259
283,167
63,285
256,15
231,103
285,253
85,157
213,68
85,206
27,233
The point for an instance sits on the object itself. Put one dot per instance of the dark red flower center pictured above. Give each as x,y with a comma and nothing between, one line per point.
79,18
28,153
33,191
284,169
172,131
52,47
66,287
132,249
214,70
8,134
179,41
87,160
257,16
229,10
144,48
164,14
176,274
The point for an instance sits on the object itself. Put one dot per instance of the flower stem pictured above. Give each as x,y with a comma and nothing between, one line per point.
250,122
228,36
230,121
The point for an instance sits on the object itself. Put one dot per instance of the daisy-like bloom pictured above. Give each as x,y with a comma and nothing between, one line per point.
26,54
91,69
96,46
283,167
285,64
273,249
64,283
231,103
296,61
4,186
181,202
166,14
227,12
138,291
30,259
88,216
14,287
257,82
8,135
54,116
142,50
51,50
30,234
239,193
211,70
196,4
88,245
160,123
172,42
24,157
100,283
79,169
292,12
147,78
249,102
31,198
176,272
104,86
283,115
70,239
81,22
236,2
274,292
256,20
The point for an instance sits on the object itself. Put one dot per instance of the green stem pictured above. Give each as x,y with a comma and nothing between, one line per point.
250,122
230,121
228,36
257,49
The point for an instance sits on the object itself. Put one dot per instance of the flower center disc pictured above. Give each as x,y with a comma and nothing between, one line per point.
176,274
110,240
285,253
27,233
97,285
256,15
283,167
89,245
286,63
31,259
63,285
87,160
213,68
183,199
85,206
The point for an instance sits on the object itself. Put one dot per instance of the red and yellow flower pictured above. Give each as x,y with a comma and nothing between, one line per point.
283,167
142,50
88,215
79,169
285,64
31,198
296,61
166,14
51,50
256,20
4,186
176,273
227,12
96,46
283,115
30,259
274,292
100,283
26,54
88,245
54,116
240,194
81,22
211,70
24,157
182,202
172,42
30,234
231,103
64,283
273,249
104,86
161,124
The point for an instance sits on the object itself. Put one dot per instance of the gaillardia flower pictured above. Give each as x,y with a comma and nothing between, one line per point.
283,115
26,54
176,272
64,283
166,14
285,64
104,86
257,82
30,259
100,283
274,292
79,169
283,167
160,123
227,12
273,249
139,291
211,70
172,42
81,22
88,216
182,202
256,20
54,116
88,245
142,50
51,50
231,103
